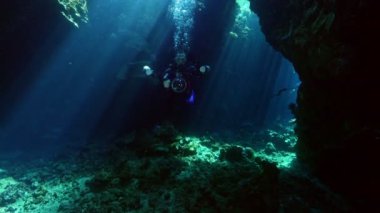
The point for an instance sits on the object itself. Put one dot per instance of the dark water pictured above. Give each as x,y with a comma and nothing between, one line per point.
81,122
86,84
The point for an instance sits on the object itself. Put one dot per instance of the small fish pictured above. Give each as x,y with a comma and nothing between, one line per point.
281,91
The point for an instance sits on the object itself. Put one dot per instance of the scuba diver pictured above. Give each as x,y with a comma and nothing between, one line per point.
180,76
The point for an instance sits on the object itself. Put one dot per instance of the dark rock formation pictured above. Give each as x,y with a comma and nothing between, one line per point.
332,44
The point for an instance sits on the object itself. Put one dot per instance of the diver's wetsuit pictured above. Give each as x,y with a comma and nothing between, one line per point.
179,80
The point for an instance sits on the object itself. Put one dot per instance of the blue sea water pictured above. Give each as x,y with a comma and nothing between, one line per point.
90,86
91,97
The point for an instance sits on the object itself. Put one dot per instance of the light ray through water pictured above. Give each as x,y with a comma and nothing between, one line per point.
245,79
79,81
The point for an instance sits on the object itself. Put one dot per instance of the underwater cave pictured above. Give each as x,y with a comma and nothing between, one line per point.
189,106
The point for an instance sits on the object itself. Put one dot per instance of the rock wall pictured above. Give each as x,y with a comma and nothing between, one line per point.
333,45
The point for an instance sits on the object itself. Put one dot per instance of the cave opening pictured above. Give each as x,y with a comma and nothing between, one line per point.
188,106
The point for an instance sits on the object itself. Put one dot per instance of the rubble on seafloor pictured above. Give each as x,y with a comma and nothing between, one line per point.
162,170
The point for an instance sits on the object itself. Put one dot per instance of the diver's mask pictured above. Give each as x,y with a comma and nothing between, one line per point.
180,58
179,83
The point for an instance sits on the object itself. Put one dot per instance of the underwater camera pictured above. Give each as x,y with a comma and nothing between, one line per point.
179,83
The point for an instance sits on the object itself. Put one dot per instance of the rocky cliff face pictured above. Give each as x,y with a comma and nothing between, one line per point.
333,45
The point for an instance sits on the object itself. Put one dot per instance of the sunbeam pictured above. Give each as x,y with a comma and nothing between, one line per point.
189,106
83,74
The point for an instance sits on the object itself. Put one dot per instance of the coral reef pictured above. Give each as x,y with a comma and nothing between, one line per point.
75,11
236,154
193,174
